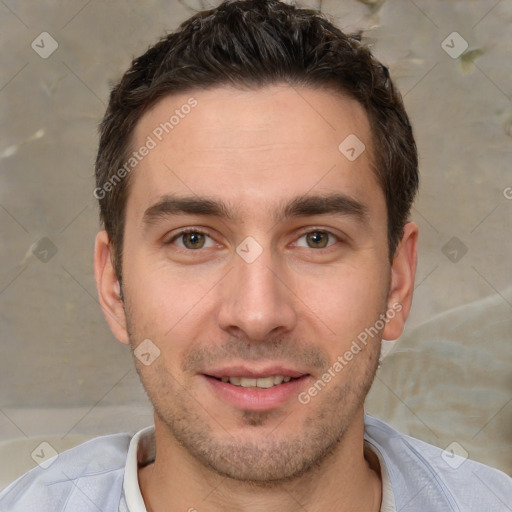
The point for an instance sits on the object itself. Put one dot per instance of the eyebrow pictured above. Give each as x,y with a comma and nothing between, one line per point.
305,205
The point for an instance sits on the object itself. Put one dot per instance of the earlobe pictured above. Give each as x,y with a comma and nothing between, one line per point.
109,289
403,270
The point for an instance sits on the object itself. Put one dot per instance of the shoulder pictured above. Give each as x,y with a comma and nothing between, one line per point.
87,477
423,475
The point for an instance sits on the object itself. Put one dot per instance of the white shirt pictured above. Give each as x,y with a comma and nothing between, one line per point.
101,475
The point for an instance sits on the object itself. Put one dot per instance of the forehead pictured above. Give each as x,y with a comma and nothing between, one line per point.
259,145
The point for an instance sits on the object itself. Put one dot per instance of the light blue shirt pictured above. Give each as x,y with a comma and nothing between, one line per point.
101,475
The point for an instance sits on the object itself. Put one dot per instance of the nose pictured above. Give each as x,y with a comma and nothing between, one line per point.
256,300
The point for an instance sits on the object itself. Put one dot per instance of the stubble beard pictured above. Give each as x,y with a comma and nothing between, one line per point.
277,457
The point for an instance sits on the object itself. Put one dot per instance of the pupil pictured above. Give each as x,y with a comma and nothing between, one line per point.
194,239
316,238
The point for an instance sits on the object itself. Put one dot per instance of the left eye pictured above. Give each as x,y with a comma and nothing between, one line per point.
192,239
317,239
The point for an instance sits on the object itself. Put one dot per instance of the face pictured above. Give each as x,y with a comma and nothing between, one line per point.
255,250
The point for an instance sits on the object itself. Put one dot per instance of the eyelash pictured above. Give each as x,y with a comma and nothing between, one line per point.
201,232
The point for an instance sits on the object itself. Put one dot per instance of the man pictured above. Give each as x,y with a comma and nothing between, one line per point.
255,175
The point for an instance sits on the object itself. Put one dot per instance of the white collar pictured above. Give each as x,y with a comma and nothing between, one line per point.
388,497
141,451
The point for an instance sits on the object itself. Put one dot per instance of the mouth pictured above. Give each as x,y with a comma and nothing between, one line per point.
259,383
257,392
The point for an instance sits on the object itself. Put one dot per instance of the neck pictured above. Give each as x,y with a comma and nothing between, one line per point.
347,479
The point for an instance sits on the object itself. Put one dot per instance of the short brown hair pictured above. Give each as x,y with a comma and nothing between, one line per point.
254,43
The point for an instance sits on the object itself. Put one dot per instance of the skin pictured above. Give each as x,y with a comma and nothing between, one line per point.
301,302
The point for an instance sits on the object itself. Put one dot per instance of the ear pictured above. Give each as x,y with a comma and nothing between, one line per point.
403,270
109,290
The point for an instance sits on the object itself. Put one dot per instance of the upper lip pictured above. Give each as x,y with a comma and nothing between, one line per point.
254,372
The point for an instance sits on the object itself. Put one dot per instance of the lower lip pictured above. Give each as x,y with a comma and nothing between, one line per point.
257,399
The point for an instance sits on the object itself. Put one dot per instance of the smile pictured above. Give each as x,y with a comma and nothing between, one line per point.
260,393
263,382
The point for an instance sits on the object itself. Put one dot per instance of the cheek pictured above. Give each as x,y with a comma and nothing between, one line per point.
346,299
161,295
168,308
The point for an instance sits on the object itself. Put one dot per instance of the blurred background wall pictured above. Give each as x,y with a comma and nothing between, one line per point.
61,370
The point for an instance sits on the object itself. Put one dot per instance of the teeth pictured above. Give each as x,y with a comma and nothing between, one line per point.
244,382
267,382
264,382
